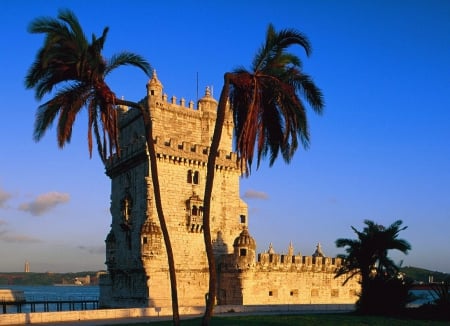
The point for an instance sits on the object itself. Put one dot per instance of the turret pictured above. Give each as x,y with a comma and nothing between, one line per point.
207,103
244,250
151,239
154,89
318,252
122,109
110,250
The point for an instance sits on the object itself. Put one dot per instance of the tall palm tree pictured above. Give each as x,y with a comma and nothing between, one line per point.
367,256
268,113
69,62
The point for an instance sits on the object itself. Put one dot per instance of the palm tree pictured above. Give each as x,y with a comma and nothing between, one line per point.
268,115
69,62
367,256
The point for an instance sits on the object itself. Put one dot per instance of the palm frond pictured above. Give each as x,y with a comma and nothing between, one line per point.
47,112
128,58
68,61
269,115
306,86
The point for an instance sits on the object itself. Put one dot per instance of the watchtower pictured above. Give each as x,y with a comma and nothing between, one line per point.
135,254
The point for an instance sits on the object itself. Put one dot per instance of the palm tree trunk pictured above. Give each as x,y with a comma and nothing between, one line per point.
157,193
211,168
365,279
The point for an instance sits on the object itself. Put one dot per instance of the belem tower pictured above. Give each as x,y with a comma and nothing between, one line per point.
135,254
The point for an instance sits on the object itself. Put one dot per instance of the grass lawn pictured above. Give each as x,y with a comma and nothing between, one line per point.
306,319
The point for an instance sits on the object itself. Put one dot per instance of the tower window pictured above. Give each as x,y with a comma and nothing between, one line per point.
193,177
242,218
243,252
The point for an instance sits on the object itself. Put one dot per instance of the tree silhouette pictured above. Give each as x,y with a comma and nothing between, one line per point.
268,114
69,62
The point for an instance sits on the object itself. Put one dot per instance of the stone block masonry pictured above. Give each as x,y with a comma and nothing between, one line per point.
136,315
135,254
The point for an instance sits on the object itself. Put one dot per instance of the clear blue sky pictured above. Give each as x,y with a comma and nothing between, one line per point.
381,151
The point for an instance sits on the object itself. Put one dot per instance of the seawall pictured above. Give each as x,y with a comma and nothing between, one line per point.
137,313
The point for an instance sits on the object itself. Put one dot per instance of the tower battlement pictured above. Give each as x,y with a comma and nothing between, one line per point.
173,150
135,255
158,99
279,262
297,262
243,258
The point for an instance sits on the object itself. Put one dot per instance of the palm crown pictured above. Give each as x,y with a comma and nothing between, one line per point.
68,60
369,252
268,112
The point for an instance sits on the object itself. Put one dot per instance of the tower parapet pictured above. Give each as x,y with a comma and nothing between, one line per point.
272,261
180,120
135,256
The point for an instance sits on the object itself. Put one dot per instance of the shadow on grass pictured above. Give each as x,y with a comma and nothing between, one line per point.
306,319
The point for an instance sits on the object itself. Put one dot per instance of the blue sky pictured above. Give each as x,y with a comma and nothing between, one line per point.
381,151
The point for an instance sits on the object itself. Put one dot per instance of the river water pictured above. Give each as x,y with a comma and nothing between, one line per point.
52,292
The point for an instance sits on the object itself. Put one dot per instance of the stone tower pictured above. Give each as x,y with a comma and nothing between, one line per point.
135,254
138,275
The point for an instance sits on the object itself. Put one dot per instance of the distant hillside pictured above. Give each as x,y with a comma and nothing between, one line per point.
421,275
87,278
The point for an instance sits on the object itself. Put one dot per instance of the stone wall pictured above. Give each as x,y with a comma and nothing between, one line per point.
281,279
135,253
142,315
136,258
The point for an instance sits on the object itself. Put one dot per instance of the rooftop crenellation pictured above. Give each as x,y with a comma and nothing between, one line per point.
161,100
135,255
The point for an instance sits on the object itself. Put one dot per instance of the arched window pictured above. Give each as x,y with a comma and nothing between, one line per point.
196,177
126,207
194,210
193,177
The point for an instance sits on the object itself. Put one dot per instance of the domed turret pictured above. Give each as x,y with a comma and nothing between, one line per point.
151,238
245,240
207,102
318,252
244,250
